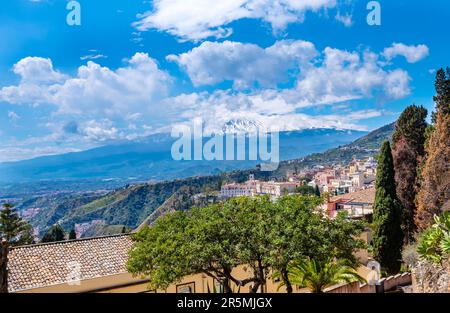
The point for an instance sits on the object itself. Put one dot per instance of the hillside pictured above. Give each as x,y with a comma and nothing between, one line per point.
146,159
361,148
133,205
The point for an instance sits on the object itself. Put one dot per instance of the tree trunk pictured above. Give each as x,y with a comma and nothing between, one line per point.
226,286
255,287
287,283
260,279
3,266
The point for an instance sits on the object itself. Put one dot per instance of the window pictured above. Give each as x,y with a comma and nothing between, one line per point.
186,288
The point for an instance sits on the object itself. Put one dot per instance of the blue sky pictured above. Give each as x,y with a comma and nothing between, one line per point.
133,68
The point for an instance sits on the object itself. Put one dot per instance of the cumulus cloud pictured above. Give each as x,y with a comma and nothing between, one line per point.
347,75
244,64
99,131
99,104
95,89
37,70
412,53
321,78
268,110
199,19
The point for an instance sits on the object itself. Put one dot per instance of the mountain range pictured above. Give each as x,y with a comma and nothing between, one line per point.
137,204
150,158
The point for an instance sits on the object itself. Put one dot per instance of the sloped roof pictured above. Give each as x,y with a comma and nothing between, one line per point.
363,196
49,264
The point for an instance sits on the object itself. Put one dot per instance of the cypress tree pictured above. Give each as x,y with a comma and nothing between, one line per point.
387,234
442,97
317,191
408,151
55,233
72,235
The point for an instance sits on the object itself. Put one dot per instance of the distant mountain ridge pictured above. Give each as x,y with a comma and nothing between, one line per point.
150,158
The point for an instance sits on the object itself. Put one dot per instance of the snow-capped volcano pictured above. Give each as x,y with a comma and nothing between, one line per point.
241,126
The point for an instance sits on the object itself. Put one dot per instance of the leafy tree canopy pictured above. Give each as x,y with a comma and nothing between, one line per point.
257,232
13,228
55,233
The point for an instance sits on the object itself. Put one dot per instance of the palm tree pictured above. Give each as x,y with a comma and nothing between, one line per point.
318,275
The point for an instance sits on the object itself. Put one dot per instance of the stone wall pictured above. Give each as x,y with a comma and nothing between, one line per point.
431,278
390,283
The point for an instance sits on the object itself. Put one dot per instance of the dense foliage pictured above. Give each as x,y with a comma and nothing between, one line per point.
407,151
318,275
54,234
13,232
72,235
434,244
256,232
14,229
434,195
387,217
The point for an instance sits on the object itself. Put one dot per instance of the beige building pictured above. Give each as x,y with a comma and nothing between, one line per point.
357,204
237,190
99,265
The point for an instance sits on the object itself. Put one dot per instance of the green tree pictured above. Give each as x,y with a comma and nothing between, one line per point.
254,221
442,97
318,275
255,232
342,238
72,235
13,232
408,151
295,232
306,190
434,195
54,234
387,234
317,191
161,252
214,242
14,229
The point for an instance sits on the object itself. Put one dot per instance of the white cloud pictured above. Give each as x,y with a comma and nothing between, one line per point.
269,110
333,76
99,104
244,64
13,116
346,19
412,54
37,70
16,153
93,57
95,89
200,19
99,131
347,75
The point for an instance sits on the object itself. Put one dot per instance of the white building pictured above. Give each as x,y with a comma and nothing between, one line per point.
237,190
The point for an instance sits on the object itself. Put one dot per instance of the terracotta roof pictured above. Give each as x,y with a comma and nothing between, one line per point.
365,195
49,264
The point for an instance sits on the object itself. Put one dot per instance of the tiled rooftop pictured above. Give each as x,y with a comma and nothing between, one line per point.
364,196
49,264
